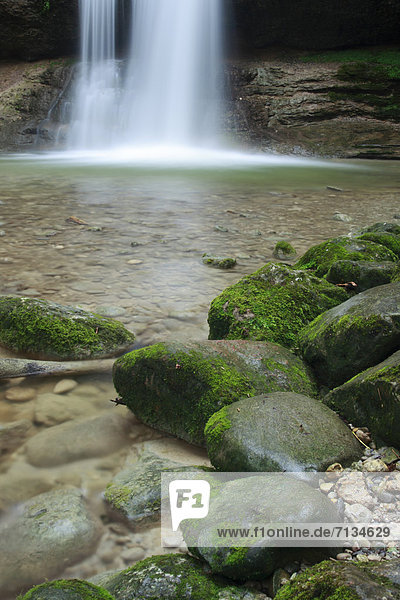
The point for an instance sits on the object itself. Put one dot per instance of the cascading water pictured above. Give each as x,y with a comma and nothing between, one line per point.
166,93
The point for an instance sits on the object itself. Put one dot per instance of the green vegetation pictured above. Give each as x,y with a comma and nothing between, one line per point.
322,582
67,589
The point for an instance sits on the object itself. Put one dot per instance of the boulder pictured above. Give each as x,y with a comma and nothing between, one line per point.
345,581
176,387
290,500
49,532
353,336
67,589
272,304
320,258
387,239
372,399
282,431
173,576
42,329
365,274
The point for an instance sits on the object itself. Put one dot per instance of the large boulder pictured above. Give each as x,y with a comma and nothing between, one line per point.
354,335
363,273
173,576
176,387
243,503
345,581
272,304
372,399
42,329
282,431
67,589
49,532
320,258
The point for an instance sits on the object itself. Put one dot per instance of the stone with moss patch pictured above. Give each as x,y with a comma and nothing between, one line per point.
388,240
384,227
42,329
176,387
341,581
221,262
284,251
67,589
173,577
353,336
365,274
320,258
372,398
272,304
267,498
282,431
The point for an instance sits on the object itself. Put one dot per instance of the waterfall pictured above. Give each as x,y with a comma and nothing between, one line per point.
165,92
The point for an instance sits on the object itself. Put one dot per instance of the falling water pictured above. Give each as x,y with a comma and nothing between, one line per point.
165,93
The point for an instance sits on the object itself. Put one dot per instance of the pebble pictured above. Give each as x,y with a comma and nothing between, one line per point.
64,386
374,557
342,217
110,311
343,556
133,554
134,261
20,394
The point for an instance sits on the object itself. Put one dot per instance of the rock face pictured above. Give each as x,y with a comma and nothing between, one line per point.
52,529
42,329
64,589
345,581
176,387
243,562
272,304
353,336
373,398
279,432
172,576
365,274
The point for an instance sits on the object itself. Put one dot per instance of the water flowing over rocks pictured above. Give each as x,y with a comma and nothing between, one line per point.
282,431
49,530
272,304
372,397
353,336
43,329
176,387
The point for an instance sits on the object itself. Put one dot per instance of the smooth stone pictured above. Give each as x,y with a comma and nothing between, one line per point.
281,431
49,532
13,435
353,336
176,387
342,217
53,409
133,554
110,311
88,438
64,386
20,394
20,485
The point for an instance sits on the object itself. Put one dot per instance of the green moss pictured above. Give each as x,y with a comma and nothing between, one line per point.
216,425
117,495
39,328
388,59
389,240
222,262
272,304
284,249
68,589
320,258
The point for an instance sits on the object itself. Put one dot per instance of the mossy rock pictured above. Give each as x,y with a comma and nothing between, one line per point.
67,589
173,577
354,336
320,258
388,240
176,387
42,329
365,274
382,228
272,304
282,431
284,251
372,398
341,581
221,262
247,501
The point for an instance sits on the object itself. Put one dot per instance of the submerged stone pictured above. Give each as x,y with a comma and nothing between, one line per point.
67,589
290,500
365,274
42,329
272,304
320,258
176,387
221,262
344,581
173,577
372,398
353,336
282,431
52,529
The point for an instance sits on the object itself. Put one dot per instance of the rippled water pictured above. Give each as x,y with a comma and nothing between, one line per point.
138,255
